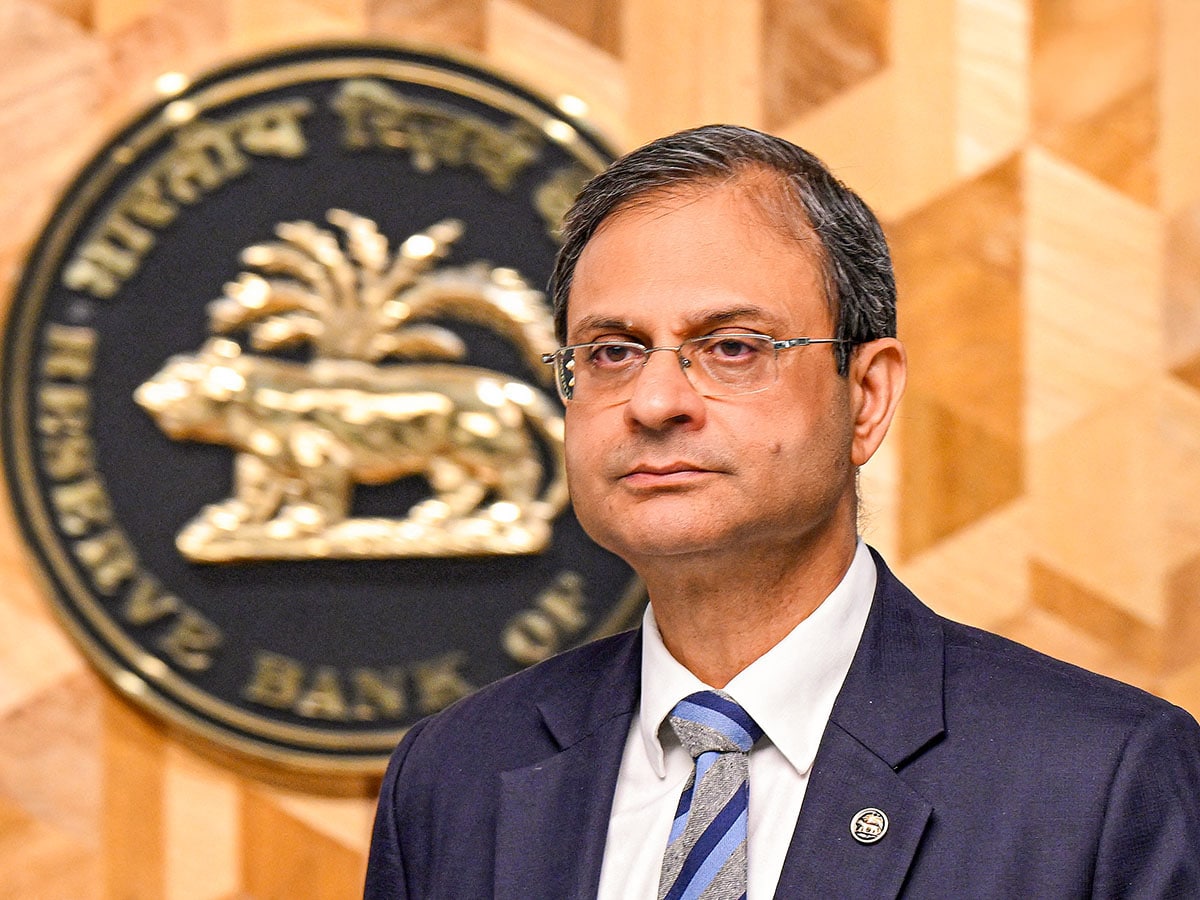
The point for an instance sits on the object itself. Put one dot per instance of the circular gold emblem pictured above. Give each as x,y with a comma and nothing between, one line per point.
275,420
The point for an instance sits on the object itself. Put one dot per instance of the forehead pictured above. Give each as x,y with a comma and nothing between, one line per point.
672,258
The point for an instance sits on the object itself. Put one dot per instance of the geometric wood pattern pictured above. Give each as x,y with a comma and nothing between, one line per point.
1034,163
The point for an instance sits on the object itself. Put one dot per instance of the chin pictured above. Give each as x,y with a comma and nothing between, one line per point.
651,537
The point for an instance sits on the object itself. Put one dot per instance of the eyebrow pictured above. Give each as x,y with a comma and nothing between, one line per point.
722,315
696,322
602,323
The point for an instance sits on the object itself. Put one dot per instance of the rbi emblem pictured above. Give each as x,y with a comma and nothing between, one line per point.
869,825
275,420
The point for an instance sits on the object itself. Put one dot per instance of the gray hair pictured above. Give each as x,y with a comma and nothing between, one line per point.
798,194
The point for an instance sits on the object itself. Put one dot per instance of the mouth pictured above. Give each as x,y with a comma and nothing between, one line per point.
664,475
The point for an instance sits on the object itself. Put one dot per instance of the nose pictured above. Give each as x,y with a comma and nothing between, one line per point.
662,395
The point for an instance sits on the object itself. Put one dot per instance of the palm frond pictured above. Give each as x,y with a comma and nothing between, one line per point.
284,259
497,298
347,294
417,254
287,330
323,247
418,342
366,246
253,297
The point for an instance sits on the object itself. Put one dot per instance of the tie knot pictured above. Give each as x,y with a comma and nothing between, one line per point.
712,721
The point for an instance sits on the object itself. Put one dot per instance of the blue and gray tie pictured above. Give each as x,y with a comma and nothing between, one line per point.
706,853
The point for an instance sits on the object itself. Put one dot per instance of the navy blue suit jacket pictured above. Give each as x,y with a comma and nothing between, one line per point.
1003,774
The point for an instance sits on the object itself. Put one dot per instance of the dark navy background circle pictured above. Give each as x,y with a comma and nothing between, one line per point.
343,613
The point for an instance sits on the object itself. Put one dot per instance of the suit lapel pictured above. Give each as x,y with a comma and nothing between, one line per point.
888,712
553,818
825,860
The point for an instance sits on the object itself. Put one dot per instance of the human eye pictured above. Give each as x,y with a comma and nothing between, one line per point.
728,349
610,355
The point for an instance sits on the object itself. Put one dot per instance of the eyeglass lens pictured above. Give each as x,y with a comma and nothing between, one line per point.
715,365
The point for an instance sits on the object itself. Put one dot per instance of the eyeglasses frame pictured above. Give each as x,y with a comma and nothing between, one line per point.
777,344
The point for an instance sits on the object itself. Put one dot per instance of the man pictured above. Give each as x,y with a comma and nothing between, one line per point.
727,310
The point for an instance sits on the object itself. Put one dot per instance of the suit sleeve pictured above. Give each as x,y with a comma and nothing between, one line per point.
386,878
1150,840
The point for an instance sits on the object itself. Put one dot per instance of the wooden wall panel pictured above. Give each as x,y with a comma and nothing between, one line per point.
1034,162
690,62
1178,98
814,51
992,86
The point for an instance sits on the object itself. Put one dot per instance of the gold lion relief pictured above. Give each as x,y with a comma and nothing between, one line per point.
305,434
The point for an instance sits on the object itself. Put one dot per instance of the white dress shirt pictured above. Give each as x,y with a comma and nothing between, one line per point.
789,691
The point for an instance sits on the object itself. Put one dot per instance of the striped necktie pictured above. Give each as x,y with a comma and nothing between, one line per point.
706,852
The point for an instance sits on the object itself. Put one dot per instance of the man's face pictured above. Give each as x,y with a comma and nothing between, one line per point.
669,472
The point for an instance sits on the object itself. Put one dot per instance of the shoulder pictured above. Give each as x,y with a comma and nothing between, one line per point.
955,699
563,676
1014,696
1051,709
441,803
1008,702
1003,671
1084,780
440,797
1004,681
512,721
1123,762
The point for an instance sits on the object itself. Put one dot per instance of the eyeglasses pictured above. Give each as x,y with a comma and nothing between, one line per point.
716,365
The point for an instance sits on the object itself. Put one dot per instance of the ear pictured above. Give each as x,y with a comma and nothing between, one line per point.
878,370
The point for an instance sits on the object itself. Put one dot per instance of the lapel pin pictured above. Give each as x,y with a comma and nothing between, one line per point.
869,825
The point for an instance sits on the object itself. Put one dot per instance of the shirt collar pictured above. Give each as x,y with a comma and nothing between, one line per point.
789,690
